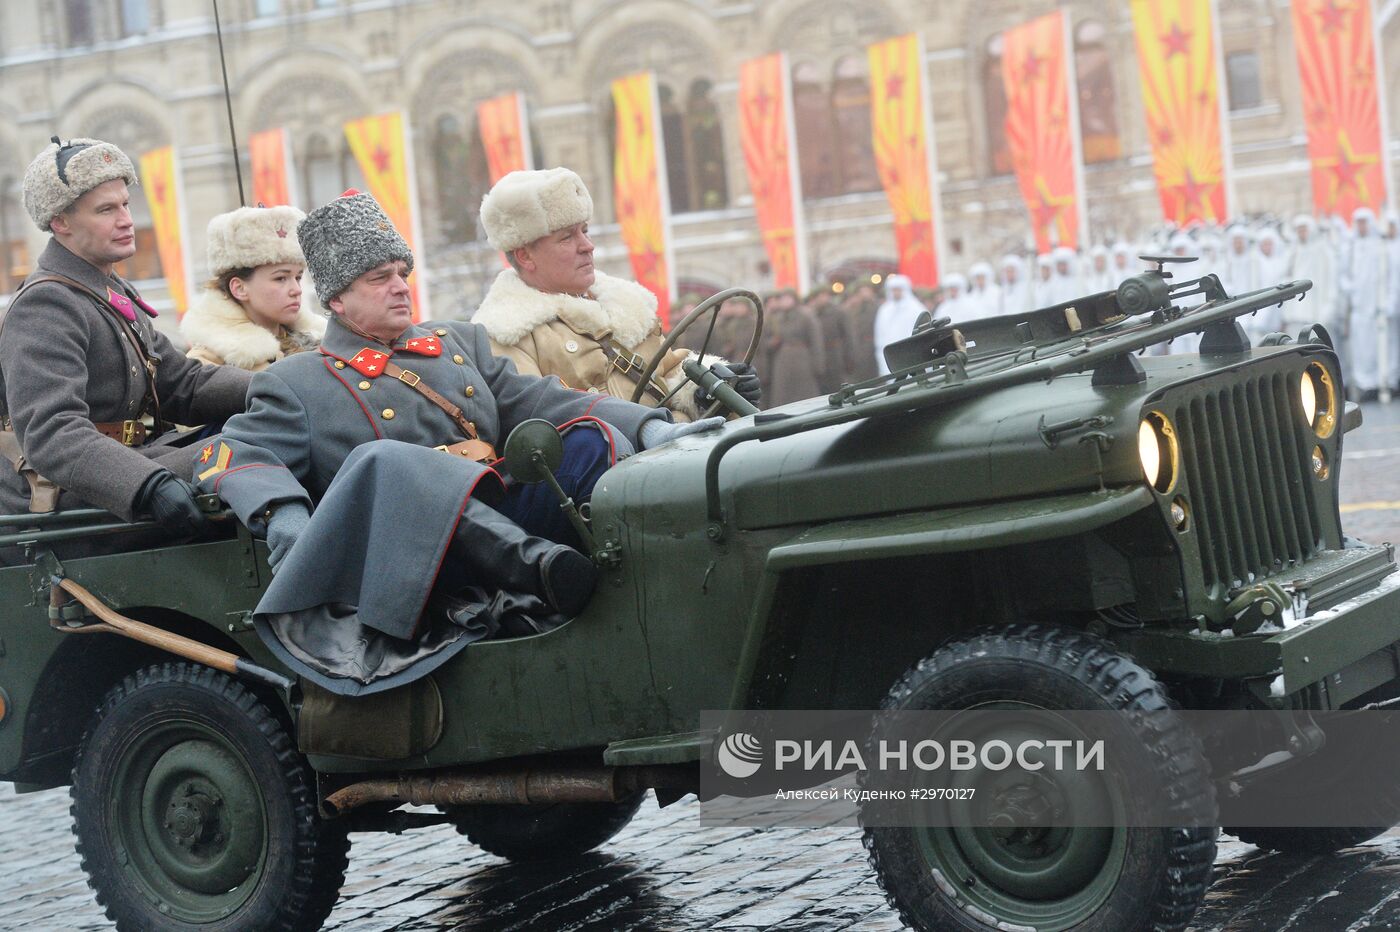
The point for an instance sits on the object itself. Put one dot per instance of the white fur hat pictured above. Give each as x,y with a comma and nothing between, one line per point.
61,174
523,206
252,236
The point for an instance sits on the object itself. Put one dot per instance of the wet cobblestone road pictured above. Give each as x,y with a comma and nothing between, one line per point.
664,872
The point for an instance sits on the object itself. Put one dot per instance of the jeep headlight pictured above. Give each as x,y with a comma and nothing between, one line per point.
1158,451
1318,395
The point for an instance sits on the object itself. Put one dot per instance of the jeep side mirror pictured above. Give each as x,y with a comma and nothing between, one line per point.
533,451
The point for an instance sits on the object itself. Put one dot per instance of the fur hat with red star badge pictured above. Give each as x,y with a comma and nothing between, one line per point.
64,172
252,236
346,238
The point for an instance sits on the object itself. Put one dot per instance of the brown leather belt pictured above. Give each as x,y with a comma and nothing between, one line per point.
127,433
631,366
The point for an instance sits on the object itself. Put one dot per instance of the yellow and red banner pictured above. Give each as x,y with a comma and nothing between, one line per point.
639,187
381,147
505,134
271,161
904,153
1178,63
766,135
1337,67
1042,128
161,182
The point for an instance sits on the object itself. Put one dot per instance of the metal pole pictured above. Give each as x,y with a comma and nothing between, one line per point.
228,105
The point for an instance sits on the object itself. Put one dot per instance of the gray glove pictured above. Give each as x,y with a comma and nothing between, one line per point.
284,526
655,432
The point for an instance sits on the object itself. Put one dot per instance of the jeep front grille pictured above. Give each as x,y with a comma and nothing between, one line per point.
1246,453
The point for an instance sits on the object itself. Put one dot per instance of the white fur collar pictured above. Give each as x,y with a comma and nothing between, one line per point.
216,321
512,309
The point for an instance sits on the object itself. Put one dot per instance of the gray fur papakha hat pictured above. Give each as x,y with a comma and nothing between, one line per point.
346,238
61,174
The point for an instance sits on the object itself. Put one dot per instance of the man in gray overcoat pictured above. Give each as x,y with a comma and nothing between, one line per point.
81,364
365,466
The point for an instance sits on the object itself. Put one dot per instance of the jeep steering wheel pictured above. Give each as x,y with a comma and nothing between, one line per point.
711,306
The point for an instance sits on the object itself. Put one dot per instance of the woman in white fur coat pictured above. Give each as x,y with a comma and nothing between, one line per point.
251,313
552,313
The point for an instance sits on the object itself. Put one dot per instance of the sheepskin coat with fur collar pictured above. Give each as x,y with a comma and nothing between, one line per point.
562,335
220,333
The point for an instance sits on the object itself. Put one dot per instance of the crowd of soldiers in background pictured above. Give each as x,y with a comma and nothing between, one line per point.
836,335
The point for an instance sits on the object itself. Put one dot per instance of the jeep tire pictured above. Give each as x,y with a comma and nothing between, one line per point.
193,810
543,832
1116,879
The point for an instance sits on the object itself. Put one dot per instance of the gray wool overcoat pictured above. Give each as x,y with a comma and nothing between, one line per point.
330,430
64,364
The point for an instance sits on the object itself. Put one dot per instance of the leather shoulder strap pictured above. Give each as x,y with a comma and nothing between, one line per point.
412,380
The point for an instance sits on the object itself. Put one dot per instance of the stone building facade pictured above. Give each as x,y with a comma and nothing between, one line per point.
146,73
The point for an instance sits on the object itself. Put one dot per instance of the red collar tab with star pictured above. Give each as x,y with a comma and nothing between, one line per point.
423,346
127,308
368,362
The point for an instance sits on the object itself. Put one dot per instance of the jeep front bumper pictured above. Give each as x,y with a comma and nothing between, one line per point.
1346,643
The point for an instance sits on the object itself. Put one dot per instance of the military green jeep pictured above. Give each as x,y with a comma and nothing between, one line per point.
1029,505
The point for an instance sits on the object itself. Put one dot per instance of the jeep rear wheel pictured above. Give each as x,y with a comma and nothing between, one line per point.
543,832
193,810
1058,878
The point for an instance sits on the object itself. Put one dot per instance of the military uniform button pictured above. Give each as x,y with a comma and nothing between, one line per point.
471,390
133,370
571,346
364,386
457,359
339,364
441,333
388,414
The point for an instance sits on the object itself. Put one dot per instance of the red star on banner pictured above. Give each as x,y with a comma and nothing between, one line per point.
762,101
1165,136
1030,69
160,191
381,158
1320,114
1204,98
1192,193
1176,42
1048,209
1331,17
1348,169
894,86
639,124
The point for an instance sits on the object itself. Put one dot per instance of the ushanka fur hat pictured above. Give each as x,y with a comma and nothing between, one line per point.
62,173
346,238
523,206
252,236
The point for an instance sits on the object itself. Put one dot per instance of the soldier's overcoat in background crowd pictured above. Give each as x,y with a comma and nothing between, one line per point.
595,343
331,430
65,364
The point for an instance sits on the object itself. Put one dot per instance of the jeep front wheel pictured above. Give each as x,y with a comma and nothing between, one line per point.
193,810
1107,879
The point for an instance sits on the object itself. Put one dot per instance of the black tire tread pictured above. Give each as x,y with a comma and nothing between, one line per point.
553,831
1124,685
322,850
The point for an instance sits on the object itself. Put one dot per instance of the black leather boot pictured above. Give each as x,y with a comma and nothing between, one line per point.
500,554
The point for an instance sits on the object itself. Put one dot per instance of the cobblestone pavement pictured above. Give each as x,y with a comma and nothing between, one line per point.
665,872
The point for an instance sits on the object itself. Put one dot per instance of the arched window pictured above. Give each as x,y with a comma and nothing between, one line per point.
815,152
456,223
77,22
994,108
850,120
673,137
135,17
710,187
328,170
1098,104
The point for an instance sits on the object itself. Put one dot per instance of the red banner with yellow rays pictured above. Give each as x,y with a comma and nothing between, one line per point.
765,132
1040,128
504,134
639,192
904,155
161,182
381,148
1178,66
1341,104
271,166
